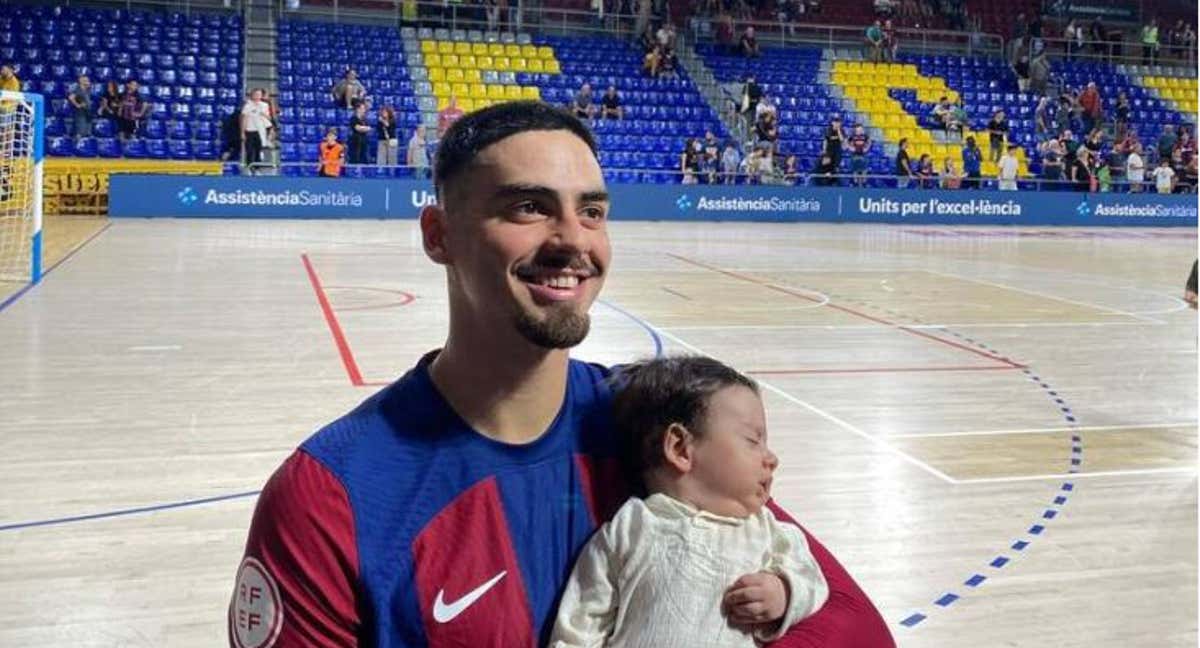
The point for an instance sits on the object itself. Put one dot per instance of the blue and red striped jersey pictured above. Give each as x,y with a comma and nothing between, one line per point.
400,526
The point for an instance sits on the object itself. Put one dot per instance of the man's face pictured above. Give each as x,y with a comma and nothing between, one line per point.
5,72
132,86
526,242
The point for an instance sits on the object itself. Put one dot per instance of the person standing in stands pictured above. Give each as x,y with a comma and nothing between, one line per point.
349,92
387,151
1135,169
448,115
834,137
110,105
860,145
131,112
358,135
891,41
874,38
417,155
1149,41
1007,175
749,44
997,130
1164,176
332,154
731,159
256,119
1089,100
80,98
1052,165
904,171
1080,170
972,164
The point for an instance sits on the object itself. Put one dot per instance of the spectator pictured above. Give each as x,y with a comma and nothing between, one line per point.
1122,111
891,41
951,178
860,145
387,150
1021,70
582,106
749,44
1094,142
666,37
1164,176
765,105
730,161
256,119
751,94
1089,100
131,111
925,174
349,92
8,79
942,113
610,104
1080,171
110,106
1042,119
885,8
80,98
1074,39
1008,169
689,161
904,171
710,158
1103,173
824,174
766,132
1187,178
1099,36
332,154
1184,149
997,131
359,128
417,155
834,137
972,164
791,170
652,63
448,115
958,120
725,33
874,38
1062,116
1188,43
1167,141
1052,164
757,164
1039,73
231,134
1149,40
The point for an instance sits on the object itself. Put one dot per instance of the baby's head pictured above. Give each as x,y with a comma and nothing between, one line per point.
695,429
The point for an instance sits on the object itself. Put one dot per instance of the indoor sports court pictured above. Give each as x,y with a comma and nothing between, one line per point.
993,428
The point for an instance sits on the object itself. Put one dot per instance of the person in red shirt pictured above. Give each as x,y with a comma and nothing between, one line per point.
1089,99
448,115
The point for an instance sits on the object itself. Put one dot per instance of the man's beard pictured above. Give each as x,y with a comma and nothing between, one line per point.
560,329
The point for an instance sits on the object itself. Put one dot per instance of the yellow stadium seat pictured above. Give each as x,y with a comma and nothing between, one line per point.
478,91
531,92
473,75
462,47
454,75
437,74
501,63
467,62
443,102
552,67
433,60
529,51
450,60
519,65
535,65
466,104
479,49
545,52
484,62
428,47
512,92
441,89
512,50
854,65
495,92
461,90
495,49
445,47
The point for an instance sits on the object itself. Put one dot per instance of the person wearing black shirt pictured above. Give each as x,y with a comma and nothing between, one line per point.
1081,171
997,129
749,43
359,128
387,151
833,140
610,104
751,94
766,131
826,168
903,167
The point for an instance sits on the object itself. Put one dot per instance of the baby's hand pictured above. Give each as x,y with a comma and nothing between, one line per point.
756,598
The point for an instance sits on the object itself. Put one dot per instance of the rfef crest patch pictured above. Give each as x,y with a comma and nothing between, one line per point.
256,613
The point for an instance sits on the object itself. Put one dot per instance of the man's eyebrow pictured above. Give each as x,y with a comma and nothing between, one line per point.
530,189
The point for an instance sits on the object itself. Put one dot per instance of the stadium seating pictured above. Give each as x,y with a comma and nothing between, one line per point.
189,68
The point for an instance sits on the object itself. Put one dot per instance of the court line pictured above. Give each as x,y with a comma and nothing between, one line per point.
874,370
915,327
816,410
1043,295
1048,430
1074,475
788,291
406,298
339,338
129,511
17,295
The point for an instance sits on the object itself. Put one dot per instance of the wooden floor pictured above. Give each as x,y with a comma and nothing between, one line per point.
61,235
994,429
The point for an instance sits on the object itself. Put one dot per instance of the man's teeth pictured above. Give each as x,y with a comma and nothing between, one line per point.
561,281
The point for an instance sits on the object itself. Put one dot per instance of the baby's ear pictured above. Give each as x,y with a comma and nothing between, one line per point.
678,446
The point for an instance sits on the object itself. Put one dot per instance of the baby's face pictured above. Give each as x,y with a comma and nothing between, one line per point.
733,464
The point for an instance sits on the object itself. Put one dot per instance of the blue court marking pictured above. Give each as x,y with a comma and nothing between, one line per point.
129,511
1075,460
17,295
658,343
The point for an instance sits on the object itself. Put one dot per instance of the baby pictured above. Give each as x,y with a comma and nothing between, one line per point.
699,560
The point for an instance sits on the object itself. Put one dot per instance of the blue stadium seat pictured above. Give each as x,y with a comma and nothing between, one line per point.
85,147
108,147
61,146
155,149
180,150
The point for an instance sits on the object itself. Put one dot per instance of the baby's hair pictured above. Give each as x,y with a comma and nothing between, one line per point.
653,394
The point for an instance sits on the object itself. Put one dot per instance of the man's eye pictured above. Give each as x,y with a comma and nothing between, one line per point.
527,209
593,213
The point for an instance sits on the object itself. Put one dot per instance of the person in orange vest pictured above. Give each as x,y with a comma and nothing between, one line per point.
333,154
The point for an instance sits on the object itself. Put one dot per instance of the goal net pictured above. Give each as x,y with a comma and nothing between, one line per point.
21,152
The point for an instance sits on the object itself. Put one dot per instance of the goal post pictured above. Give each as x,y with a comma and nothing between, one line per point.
22,150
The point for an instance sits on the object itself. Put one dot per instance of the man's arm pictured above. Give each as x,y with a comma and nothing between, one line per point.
296,584
848,619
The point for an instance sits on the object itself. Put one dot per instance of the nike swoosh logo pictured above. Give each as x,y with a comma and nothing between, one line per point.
445,612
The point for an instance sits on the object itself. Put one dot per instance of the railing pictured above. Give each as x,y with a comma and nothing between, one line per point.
786,34
779,178
184,6
1129,52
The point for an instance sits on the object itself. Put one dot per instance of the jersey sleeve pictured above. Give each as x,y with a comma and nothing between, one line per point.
848,619
296,584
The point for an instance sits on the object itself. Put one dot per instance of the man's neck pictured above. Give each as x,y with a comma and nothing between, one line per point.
507,390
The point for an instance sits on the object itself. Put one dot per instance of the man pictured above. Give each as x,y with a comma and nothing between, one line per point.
446,509
904,171
583,106
448,115
1008,169
997,130
1135,169
749,44
417,156
833,140
256,119
942,112
80,98
131,111
610,104
860,145
972,164
874,38
752,93
349,92
1089,100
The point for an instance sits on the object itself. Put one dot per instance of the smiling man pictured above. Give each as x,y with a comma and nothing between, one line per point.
446,510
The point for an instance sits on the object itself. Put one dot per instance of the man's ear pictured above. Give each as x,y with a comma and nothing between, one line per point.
434,232
678,447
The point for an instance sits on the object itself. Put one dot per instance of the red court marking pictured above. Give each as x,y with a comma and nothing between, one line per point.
339,338
405,298
849,311
786,372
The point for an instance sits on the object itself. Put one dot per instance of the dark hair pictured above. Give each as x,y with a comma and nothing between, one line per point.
651,395
469,136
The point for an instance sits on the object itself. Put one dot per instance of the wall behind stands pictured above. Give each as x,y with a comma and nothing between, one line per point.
281,197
